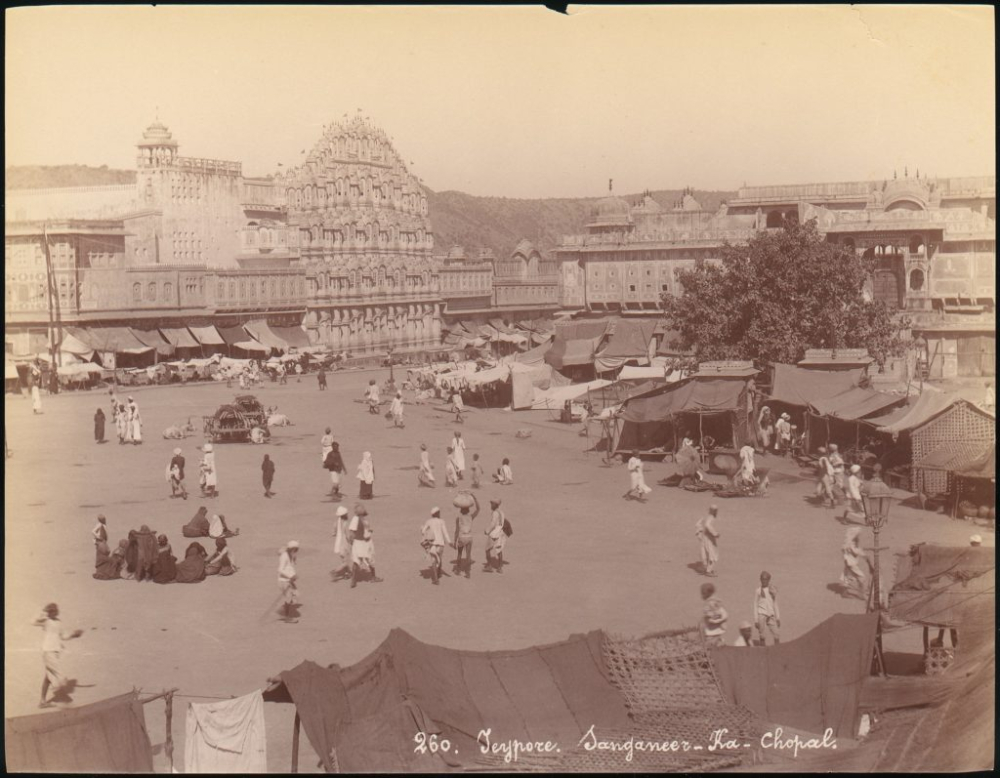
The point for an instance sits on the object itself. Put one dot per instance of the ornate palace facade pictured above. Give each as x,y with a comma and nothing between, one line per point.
365,243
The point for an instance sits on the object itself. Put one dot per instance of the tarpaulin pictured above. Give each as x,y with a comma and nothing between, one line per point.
581,330
810,683
527,380
555,397
553,692
113,339
104,737
226,737
534,356
692,396
630,341
944,585
569,353
798,386
232,335
154,339
957,456
180,337
984,467
856,403
500,326
293,336
927,406
208,336
73,345
260,330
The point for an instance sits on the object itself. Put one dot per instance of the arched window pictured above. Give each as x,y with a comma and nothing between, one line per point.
232,290
917,280
151,291
168,290
916,245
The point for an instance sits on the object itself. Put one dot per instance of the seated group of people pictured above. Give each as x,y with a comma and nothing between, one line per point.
144,556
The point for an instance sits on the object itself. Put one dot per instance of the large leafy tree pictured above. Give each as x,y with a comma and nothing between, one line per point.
780,293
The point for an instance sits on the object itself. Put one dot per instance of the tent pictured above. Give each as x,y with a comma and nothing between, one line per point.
103,737
856,403
630,341
534,356
575,343
944,586
75,348
260,330
556,396
651,421
528,380
363,718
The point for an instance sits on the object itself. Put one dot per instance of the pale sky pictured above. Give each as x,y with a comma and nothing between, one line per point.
519,102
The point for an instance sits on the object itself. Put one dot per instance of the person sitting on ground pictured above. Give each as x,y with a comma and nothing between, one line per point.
221,562
192,569
165,567
217,527
145,552
198,526
504,475
110,563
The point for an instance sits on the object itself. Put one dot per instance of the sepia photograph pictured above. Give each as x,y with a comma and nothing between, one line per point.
539,388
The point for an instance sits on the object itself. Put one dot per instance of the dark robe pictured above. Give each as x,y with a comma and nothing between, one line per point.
99,426
110,569
197,527
334,462
192,569
267,472
165,569
179,461
146,550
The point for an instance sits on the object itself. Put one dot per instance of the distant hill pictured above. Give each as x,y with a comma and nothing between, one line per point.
59,176
497,223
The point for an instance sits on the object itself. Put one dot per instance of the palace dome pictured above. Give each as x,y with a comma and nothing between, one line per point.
157,134
611,210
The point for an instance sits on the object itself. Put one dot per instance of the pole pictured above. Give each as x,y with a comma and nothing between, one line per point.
295,742
49,289
168,744
875,604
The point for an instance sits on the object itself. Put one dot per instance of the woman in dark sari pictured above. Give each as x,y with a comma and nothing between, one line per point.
192,569
165,567
99,426
198,526
109,563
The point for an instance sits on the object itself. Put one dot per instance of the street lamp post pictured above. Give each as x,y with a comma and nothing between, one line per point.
876,498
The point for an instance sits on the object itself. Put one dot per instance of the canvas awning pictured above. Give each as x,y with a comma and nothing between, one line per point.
692,396
260,330
180,337
154,339
293,336
208,336
232,336
556,396
115,339
571,353
984,467
73,345
797,386
535,356
928,405
630,341
857,403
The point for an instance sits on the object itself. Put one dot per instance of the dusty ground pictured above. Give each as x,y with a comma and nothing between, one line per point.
580,558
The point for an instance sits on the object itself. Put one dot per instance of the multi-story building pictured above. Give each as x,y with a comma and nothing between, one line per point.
934,242
466,283
526,284
365,243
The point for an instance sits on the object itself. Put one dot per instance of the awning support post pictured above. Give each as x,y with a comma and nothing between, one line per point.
295,742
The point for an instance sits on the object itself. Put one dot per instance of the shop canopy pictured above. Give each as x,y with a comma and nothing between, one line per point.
260,330
73,345
630,341
571,353
500,326
857,403
798,386
928,405
208,336
293,336
555,397
535,356
984,467
692,396
154,339
116,339
179,337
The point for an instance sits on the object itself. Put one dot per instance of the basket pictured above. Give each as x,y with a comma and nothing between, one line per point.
463,500
938,659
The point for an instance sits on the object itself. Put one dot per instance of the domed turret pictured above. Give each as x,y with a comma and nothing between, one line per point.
611,210
157,147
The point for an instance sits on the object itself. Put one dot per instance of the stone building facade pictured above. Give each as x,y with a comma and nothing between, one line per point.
466,283
365,243
526,284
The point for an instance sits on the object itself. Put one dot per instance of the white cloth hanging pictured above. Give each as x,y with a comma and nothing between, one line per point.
226,736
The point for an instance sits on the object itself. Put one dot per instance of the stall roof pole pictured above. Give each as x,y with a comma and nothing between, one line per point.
295,742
